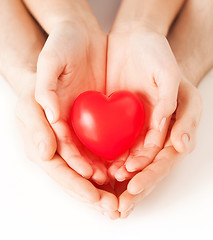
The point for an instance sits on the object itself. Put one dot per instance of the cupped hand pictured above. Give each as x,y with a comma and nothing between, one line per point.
141,61
180,141
35,129
71,62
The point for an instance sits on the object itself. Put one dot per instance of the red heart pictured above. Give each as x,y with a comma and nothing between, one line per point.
107,126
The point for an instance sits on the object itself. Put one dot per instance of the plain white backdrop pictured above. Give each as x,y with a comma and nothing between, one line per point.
33,206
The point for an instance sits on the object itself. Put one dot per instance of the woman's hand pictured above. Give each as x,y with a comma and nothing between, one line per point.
34,129
141,61
184,123
71,62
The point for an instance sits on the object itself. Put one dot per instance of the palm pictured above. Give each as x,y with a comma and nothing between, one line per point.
80,67
135,66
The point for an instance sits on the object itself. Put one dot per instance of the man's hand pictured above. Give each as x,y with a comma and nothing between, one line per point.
185,121
34,128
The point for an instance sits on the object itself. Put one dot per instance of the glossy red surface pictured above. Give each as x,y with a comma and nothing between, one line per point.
107,126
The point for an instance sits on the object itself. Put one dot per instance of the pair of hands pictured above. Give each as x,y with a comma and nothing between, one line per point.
73,60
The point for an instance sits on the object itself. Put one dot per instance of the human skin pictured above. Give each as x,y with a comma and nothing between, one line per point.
140,60
191,43
40,122
18,66
72,61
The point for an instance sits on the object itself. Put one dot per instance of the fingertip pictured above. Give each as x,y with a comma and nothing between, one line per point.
186,140
50,104
181,142
86,172
130,165
162,112
112,170
134,187
52,115
49,115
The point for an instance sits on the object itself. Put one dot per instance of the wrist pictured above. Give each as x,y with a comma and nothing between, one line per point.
51,13
152,15
80,25
137,25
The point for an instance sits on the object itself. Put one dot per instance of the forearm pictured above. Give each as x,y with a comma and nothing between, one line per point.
156,15
50,13
20,44
191,39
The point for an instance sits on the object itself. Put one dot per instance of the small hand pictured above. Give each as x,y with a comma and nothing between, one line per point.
71,62
35,129
142,61
181,140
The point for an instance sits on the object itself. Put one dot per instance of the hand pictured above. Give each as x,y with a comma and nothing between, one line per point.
142,61
34,129
184,123
71,62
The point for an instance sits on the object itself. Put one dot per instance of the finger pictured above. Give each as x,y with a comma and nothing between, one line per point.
143,158
32,117
49,68
122,174
71,181
143,153
116,164
108,203
99,173
114,168
128,202
155,172
69,152
168,84
187,120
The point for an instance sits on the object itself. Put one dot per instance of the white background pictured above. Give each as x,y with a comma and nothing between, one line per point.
32,206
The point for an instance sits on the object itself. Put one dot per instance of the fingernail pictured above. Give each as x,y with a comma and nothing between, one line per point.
130,168
130,207
185,139
121,179
161,126
41,149
49,115
140,191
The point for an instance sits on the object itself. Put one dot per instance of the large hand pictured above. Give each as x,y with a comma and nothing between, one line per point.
185,121
142,61
35,129
71,62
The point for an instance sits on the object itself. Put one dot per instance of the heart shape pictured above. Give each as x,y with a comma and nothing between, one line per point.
107,126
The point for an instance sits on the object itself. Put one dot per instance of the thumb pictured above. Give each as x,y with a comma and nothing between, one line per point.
187,120
48,71
32,121
168,85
